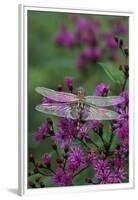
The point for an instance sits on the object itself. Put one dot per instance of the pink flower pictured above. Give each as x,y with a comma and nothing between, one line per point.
64,38
101,90
76,158
47,159
62,178
42,131
68,80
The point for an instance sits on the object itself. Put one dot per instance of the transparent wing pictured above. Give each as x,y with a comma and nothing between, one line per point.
95,113
104,101
56,96
58,109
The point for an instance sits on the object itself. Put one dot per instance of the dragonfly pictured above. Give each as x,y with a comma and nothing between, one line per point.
78,106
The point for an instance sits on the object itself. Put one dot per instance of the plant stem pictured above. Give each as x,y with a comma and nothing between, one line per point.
124,83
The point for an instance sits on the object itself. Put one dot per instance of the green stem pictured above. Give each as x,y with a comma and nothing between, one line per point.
124,83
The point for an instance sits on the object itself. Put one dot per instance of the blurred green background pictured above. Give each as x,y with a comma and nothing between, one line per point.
48,65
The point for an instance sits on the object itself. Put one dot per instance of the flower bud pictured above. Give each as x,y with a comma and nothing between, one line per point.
31,184
88,180
60,88
31,158
66,149
54,146
116,39
126,52
49,120
121,44
59,160
42,184
47,159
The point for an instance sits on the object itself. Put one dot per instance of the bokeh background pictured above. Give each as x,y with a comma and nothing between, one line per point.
49,64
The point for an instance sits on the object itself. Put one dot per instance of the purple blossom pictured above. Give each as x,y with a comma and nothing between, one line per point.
64,38
68,80
63,138
92,157
86,32
67,125
88,55
67,130
47,159
83,134
102,171
125,145
121,126
119,28
42,131
119,175
95,125
118,162
126,97
76,158
101,165
105,176
110,41
101,90
61,178
123,131
91,54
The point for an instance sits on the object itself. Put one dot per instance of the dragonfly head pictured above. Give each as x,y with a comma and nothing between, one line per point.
80,93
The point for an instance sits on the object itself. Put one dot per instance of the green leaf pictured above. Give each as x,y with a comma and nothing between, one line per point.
80,179
112,72
47,182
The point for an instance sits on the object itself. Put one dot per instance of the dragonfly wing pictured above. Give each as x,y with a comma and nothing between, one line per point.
56,96
104,101
58,109
95,113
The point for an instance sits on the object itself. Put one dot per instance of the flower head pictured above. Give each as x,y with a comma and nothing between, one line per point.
68,80
66,132
92,54
92,157
101,89
42,131
119,28
86,32
76,158
95,125
119,175
61,178
64,38
105,176
47,159
110,41
83,134
103,171
63,138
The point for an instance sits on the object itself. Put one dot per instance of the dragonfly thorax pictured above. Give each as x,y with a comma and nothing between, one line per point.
80,93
